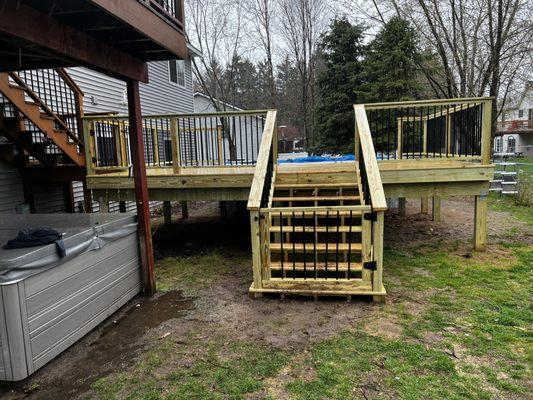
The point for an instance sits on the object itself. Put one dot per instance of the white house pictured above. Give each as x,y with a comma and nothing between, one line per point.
243,131
514,133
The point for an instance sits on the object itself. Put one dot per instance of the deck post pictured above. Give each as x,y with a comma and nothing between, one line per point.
184,210
87,198
167,212
175,141
88,145
424,205
480,223
401,206
377,240
256,249
141,187
436,209
486,129
366,242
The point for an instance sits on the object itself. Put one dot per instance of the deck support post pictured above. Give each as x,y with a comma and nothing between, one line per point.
256,250
167,212
424,205
184,210
480,223
87,198
103,204
436,209
224,210
141,187
377,240
401,206
122,206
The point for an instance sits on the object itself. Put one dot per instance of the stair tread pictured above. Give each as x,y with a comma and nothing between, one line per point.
314,185
310,229
316,198
320,266
310,214
311,246
17,87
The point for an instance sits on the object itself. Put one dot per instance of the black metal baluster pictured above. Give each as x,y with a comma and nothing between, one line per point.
315,239
350,244
337,250
282,255
327,239
293,248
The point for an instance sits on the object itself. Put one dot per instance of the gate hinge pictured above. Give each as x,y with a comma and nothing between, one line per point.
371,216
371,265
94,160
91,132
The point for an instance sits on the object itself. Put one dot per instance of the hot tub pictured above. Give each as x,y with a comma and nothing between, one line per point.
47,303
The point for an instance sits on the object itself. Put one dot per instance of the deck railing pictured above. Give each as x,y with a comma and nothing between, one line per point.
229,139
171,11
519,125
431,128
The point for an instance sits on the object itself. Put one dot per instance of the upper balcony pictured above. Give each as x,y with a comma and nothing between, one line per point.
102,34
514,126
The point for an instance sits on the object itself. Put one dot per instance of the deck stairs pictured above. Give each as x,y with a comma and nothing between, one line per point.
41,136
323,242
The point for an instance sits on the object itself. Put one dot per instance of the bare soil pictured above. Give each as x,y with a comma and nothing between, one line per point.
224,307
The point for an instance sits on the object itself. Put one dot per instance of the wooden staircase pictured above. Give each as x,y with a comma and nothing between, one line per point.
317,231
315,244
33,127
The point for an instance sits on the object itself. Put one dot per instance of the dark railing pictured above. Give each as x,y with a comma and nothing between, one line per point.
181,140
171,11
427,129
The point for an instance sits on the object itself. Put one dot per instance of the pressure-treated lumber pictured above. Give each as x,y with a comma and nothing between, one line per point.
317,198
310,247
480,223
320,266
436,208
261,166
317,229
379,203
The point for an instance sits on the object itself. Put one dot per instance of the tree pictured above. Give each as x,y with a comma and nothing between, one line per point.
287,89
301,23
391,63
341,50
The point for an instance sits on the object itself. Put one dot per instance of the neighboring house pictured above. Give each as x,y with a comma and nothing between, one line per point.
514,134
290,140
244,132
170,90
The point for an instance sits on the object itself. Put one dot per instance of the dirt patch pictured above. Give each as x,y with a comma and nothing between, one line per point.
457,223
222,307
113,347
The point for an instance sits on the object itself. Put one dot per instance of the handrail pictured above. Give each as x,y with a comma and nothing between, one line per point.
363,141
47,110
267,145
359,208
370,106
179,115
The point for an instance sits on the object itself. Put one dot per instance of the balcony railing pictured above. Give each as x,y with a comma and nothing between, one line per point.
514,126
172,11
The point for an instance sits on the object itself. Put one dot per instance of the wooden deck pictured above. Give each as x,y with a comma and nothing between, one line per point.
401,178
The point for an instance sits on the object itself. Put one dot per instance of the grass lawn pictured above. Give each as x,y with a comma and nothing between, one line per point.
456,325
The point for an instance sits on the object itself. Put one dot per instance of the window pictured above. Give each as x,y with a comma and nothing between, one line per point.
511,144
498,145
520,113
176,72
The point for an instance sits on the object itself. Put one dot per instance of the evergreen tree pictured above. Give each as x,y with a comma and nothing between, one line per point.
341,50
391,64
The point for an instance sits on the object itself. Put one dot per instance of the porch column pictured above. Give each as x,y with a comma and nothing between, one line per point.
141,187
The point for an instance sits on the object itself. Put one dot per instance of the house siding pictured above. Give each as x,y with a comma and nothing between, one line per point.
11,190
102,94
